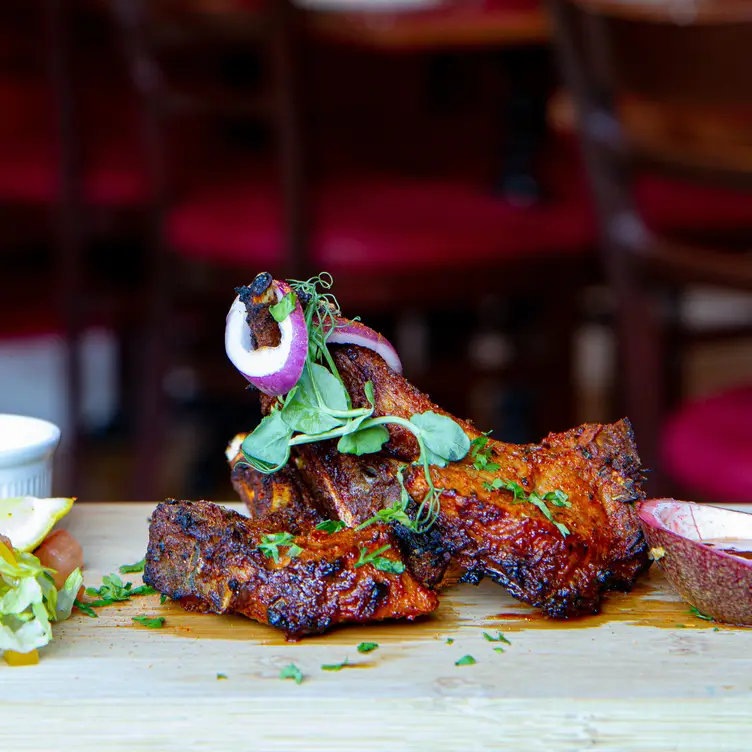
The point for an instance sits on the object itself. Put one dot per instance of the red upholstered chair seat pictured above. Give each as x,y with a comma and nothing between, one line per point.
392,223
668,204
29,170
707,446
377,223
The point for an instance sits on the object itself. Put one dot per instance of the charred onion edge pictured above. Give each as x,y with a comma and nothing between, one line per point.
272,370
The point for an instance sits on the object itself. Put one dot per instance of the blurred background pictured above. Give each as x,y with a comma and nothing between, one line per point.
541,204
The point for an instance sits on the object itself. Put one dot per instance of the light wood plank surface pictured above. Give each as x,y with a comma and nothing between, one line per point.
645,674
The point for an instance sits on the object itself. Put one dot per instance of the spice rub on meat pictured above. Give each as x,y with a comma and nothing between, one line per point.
561,561
208,559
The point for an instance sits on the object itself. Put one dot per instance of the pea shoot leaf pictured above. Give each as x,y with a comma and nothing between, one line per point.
364,441
305,418
328,388
269,444
442,437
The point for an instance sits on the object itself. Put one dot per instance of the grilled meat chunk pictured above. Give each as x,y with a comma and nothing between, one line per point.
558,554
207,558
498,533
281,501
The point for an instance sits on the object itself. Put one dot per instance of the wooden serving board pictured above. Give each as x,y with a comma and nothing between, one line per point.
645,674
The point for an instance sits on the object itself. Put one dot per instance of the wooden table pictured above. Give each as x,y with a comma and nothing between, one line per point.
645,674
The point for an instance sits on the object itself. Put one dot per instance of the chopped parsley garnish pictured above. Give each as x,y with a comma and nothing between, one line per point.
380,562
397,512
482,455
498,650
449,640
696,612
150,622
270,545
466,660
319,407
221,676
335,666
132,568
291,671
558,498
331,526
162,599
84,608
499,638
367,647
114,590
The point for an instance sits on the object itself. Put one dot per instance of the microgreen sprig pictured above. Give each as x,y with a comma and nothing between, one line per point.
378,561
319,408
271,543
558,498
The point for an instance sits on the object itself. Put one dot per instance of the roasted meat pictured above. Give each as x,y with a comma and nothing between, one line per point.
280,500
553,522
207,558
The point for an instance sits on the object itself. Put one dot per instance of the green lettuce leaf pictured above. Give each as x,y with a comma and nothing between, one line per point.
29,603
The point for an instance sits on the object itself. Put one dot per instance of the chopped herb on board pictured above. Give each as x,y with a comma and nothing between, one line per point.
696,612
291,671
466,660
499,638
367,647
335,666
132,568
155,622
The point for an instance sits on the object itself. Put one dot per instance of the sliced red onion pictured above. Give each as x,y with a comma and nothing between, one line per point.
272,370
355,333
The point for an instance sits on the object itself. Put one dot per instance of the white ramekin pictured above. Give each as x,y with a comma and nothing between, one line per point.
26,449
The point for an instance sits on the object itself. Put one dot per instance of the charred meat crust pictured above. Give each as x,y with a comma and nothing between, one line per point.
491,534
281,500
206,558
484,533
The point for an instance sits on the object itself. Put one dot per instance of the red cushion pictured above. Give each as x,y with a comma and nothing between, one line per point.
707,446
380,223
676,205
29,168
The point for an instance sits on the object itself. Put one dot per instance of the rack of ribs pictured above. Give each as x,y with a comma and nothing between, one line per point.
484,528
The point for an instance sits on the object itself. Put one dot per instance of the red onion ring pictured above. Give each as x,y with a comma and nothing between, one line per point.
356,333
272,370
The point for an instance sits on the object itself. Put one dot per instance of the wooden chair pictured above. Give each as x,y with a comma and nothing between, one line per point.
55,172
661,88
392,241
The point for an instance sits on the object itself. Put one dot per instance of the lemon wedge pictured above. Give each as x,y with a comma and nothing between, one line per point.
27,520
